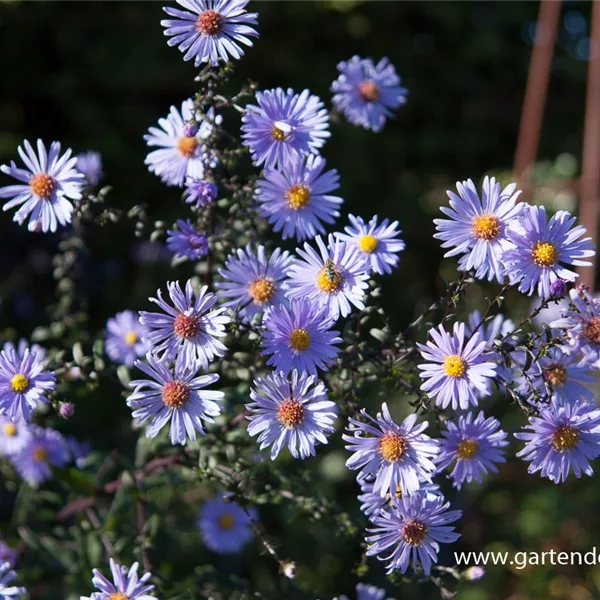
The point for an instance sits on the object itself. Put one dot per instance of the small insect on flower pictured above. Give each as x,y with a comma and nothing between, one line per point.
411,530
457,369
542,248
24,384
367,93
366,592
395,456
176,396
124,334
189,328
293,412
210,31
253,282
564,437
225,526
49,183
7,589
126,584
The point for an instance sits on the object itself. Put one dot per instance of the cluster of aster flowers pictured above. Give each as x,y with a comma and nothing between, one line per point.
293,308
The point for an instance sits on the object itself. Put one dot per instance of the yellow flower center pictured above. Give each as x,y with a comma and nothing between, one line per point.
368,243
299,339
369,91
175,394
298,196
393,446
187,146
226,522
19,383
544,254
40,455
42,185
118,596
278,134
591,330
262,290
556,375
454,366
210,22
9,429
131,338
329,279
290,413
467,449
565,438
486,227
414,532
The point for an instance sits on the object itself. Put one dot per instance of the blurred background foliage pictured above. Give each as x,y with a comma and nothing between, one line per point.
96,75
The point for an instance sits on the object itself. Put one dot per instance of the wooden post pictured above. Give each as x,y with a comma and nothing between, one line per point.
590,167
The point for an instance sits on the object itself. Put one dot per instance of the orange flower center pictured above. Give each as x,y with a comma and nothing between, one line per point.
467,449
118,596
187,146
486,227
591,330
369,91
210,22
175,394
393,446
556,375
42,185
40,455
298,196
565,438
278,134
226,522
186,326
262,290
414,532
290,413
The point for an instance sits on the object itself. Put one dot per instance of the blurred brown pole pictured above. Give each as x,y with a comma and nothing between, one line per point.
590,167
537,87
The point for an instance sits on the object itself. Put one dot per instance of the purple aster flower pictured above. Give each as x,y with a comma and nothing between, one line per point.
335,277
89,164
478,227
48,183
284,126
582,326
366,92
46,448
372,503
126,585
7,590
23,384
190,328
8,554
176,396
397,456
457,369
378,244
253,283
186,241
295,413
300,337
180,156
565,375
124,334
410,532
366,592
200,193
225,526
543,248
475,444
23,345
558,289
212,31
14,436
561,438
297,199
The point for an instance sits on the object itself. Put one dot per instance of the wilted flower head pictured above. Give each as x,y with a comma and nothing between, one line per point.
48,184
284,126
366,92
